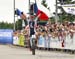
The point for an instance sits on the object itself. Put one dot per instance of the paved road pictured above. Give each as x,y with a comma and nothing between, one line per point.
13,52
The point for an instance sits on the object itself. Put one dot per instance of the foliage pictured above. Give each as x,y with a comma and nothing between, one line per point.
18,24
44,3
5,25
64,16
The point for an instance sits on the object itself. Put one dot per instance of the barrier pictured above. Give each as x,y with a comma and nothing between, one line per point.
67,43
52,42
21,39
15,40
41,41
6,36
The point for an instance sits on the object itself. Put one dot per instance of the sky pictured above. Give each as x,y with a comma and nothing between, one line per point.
7,8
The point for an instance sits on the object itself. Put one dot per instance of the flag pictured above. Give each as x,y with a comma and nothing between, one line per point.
35,8
21,14
69,8
40,9
18,12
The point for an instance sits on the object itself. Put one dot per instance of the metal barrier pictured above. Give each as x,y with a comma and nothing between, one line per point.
67,43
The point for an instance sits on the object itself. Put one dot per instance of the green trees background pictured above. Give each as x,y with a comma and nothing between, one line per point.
5,25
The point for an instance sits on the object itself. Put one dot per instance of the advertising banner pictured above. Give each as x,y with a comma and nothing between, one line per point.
21,40
6,36
69,8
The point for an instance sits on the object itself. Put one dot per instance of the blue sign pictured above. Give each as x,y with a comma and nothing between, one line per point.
6,36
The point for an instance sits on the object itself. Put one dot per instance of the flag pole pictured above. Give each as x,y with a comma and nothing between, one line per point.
56,16
35,1
29,7
14,16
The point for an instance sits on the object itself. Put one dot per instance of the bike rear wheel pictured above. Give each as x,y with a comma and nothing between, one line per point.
33,46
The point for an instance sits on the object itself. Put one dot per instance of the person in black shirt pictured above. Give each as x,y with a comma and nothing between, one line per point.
32,30
31,25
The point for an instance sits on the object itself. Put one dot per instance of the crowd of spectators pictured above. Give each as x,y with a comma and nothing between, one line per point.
51,30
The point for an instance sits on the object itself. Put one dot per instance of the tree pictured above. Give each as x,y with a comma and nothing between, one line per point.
44,3
19,24
64,16
6,25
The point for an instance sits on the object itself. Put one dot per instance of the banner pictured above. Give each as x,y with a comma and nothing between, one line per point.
69,8
41,41
15,40
21,39
6,36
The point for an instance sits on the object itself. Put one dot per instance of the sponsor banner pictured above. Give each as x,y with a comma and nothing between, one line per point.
6,36
21,39
41,42
69,8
